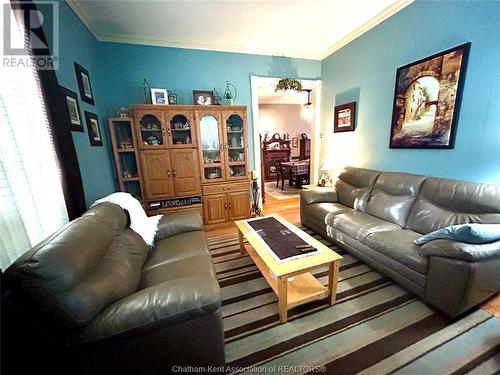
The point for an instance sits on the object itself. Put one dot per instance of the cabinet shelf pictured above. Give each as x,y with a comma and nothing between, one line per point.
181,130
126,163
151,130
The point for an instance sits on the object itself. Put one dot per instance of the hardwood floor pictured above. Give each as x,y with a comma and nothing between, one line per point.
290,210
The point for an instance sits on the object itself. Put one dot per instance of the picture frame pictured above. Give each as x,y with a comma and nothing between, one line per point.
75,119
427,97
295,142
93,128
344,117
159,96
84,84
203,97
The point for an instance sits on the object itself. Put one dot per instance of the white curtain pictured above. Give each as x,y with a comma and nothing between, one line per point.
32,203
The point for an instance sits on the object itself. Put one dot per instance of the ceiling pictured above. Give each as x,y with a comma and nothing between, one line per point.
308,28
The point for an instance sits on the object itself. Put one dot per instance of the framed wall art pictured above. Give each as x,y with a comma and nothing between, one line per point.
75,121
93,128
84,85
427,100
344,117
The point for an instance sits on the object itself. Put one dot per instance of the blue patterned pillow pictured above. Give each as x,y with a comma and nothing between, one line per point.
469,233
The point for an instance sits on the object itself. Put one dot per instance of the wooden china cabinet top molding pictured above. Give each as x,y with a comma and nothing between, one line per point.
187,107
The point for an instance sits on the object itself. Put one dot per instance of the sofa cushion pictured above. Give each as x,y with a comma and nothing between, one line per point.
398,245
354,185
200,265
178,222
443,202
79,270
155,308
393,196
321,210
358,225
178,247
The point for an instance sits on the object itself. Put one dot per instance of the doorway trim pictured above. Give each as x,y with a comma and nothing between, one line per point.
315,85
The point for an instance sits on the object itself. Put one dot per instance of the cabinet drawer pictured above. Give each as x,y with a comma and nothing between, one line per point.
225,188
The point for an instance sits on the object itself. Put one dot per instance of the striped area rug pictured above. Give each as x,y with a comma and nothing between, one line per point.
376,327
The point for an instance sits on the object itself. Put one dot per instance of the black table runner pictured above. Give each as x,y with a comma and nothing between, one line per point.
278,237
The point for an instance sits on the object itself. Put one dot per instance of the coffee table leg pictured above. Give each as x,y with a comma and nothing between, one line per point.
333,276
282,298
242,244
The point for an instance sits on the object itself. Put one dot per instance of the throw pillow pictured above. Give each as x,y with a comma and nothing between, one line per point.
468,233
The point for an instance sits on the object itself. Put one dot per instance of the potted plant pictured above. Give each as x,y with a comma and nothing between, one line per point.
285,84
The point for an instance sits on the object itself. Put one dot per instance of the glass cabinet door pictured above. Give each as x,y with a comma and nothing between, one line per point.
151,130
180,129
235,135
211,148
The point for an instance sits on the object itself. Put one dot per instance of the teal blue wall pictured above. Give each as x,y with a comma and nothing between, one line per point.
182,70
365,69
117,72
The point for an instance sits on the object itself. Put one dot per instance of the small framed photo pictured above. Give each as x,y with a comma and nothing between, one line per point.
159,96
95,137
84,85
295,142
203,97
344,117
75,121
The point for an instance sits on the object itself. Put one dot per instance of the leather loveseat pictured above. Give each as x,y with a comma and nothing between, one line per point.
94,298
377,215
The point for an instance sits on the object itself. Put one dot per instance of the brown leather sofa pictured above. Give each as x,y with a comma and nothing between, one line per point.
377,215
94,298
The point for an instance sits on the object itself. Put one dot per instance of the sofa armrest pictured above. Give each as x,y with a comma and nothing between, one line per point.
460,250
319,195
455,286
163,305
177,223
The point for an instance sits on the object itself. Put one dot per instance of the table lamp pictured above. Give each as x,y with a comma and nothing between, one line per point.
327,168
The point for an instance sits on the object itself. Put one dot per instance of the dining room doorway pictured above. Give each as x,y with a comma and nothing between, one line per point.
286,131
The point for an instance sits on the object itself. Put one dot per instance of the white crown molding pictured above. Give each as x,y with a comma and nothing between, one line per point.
233,48
115,38
380,17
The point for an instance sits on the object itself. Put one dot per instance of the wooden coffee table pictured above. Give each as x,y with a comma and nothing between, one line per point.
304,287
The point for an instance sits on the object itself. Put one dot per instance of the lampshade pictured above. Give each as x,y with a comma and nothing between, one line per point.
307,112
328,165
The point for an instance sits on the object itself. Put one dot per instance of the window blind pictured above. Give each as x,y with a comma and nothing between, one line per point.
32,203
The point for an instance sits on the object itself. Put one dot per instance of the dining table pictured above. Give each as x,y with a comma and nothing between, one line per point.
297,171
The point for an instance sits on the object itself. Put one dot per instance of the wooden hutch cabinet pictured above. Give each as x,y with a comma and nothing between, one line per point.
223,152
168,157
194,157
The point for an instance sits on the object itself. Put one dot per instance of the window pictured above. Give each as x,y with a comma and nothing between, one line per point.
32,204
